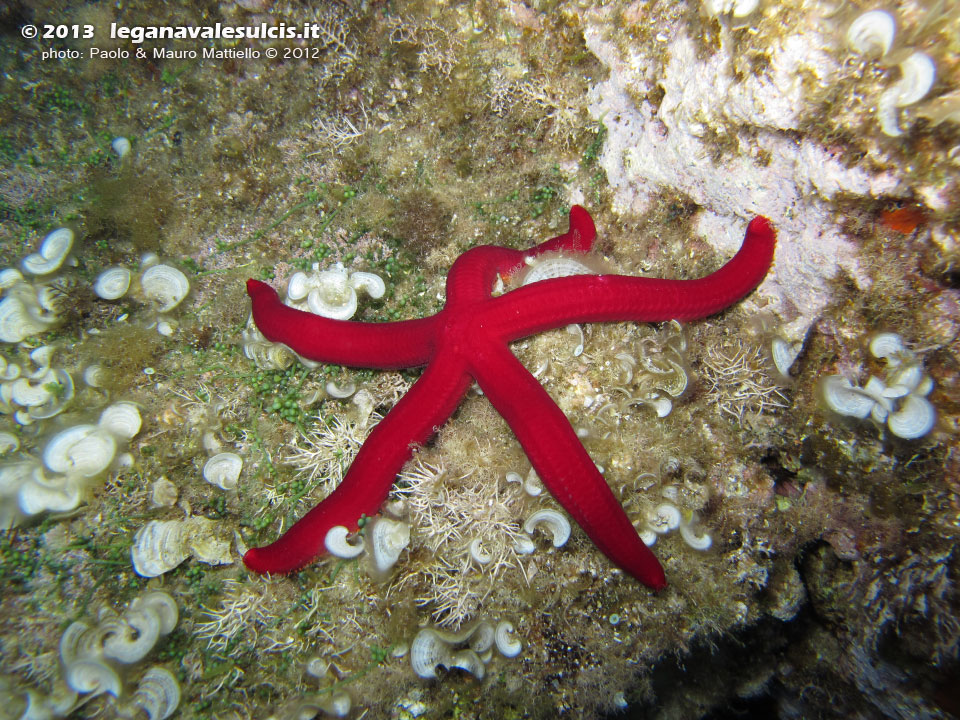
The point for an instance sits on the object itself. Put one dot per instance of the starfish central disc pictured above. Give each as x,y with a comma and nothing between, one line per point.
468,340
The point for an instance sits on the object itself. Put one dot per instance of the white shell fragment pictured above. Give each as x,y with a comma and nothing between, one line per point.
432,648
574,329
556,523
899,399
696,538
164,493
365,405
332,293
531,485
400,649
479,637
387,540
784,355
506,640
915,418
872,33
335,704
427,652
8,371
736,8
876,390
340,393
95,376
742,8
158,693
158,548
75,455
85,450
18,320
318,667
92,677
39,493
165,285
266,355
121,146
42,357
128,640
8,442
166,328
161,545
480,555
60,703
337,544
92,655
10,277
648,536
469,660
112,283
524,546
53,251
161,603
886,345
546,268
121,419
44,395
918,75
371,283
223,470
628,363
840,395
23,392
904,378
661,405
124,638
78,640
664,518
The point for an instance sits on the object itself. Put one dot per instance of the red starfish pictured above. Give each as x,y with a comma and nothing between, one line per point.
468,340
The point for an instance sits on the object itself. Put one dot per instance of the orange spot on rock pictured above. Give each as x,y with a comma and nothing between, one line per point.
903,220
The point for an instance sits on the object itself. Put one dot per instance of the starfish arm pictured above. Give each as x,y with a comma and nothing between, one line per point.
612,298
411,422
374,345
563,465
473,274
578,238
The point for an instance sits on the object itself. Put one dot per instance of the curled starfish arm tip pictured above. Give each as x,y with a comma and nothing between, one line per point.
260,560
582,232
760,241
256,288
578,238
654,578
